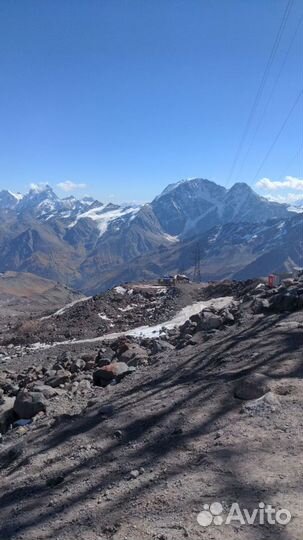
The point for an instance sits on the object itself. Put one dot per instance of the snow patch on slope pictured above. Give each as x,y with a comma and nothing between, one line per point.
295,209
65,308
103,216
18,196
150,331
180,318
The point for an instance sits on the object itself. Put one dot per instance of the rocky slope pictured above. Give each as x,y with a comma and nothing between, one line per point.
118,310
129,437
25,293
233,251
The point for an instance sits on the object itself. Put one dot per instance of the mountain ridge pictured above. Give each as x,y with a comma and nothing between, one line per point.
88,245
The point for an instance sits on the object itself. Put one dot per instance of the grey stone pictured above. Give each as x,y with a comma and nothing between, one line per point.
28,404
61,377
267,404
252,386
114,371
210,321
47,391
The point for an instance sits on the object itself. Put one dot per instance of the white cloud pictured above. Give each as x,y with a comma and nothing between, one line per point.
289,182
37,187
70,186
288,198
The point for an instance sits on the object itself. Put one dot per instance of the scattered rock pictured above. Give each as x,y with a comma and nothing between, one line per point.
60,378
210,321
134,474
159,345
284,302
47,391
252,386
114,371
133,355
266,404
84,385
260,305
78,365
7,414
28,404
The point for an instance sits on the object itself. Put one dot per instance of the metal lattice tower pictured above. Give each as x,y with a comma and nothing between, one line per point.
197,263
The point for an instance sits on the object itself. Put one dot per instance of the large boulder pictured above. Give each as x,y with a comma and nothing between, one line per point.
227,316
260,305
284,302
106,374
195,318
210,321
7,414
28,404
89,359
190,326
252,386
134,355
78,365
105,352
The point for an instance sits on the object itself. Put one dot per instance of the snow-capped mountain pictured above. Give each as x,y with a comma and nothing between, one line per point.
194,206
298,206
9,200
42,203
90,245
105,215
233,250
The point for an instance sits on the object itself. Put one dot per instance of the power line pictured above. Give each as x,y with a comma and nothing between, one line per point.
278,134
293,158
262,85
271,93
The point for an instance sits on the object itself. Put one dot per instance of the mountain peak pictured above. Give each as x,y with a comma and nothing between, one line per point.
190,184
241,187
18,196
241,191
8,200
38,189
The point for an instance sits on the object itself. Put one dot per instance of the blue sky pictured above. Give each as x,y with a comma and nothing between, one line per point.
122,97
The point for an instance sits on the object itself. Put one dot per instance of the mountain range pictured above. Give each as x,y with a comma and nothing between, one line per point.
192,224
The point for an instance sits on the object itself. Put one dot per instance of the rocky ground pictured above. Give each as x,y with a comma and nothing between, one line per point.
119,309
129,438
